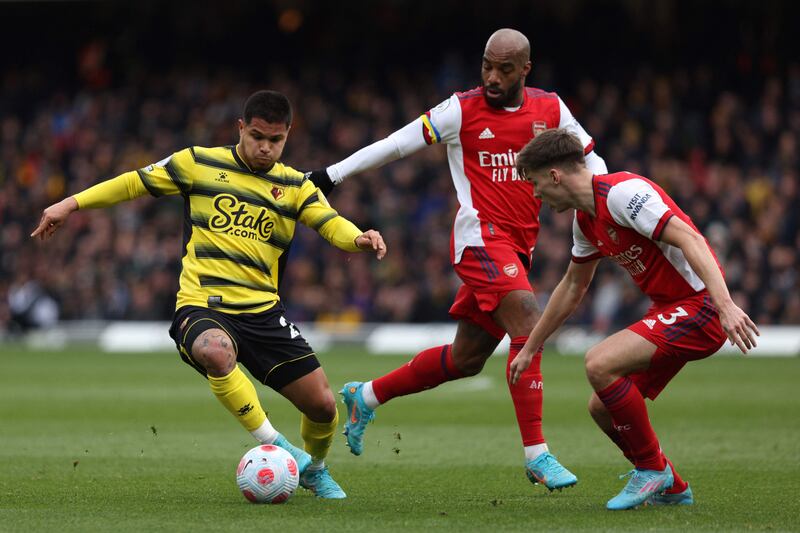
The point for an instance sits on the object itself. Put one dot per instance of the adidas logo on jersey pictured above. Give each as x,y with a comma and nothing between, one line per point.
649,322
486,134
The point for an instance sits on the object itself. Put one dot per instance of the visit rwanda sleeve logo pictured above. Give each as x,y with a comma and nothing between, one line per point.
240,219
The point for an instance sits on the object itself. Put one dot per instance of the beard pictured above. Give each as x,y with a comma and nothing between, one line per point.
504,98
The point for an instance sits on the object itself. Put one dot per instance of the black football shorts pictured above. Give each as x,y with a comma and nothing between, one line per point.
267,344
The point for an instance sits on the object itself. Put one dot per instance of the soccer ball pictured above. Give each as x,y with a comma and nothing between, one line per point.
267,474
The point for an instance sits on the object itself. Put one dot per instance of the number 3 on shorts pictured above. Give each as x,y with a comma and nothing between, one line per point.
679,312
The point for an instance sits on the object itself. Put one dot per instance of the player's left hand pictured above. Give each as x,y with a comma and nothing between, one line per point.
372,240
738,326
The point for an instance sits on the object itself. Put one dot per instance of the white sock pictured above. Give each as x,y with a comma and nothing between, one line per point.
317,464
532,452
265,434
369,395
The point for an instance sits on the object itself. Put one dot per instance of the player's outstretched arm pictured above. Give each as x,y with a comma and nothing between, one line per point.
439,125
565,298
53,217
741,330
372,240
124,187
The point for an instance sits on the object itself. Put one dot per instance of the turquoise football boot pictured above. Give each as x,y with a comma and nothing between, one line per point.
303,458
546,469
320,482
641,486
679,498
358,416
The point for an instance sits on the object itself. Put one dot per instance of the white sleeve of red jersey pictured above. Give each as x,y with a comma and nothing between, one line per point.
595,163
582,249
401,143
439,125
636,204
442,124
567,121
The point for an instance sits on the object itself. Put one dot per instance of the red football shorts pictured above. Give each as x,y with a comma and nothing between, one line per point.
684,331
488,273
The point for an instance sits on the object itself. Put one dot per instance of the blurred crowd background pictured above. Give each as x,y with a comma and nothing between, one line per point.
102,88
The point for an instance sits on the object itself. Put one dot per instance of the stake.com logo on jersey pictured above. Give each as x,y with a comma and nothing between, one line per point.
503,165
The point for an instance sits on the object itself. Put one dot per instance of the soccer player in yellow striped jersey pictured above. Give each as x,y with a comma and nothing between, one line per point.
241,208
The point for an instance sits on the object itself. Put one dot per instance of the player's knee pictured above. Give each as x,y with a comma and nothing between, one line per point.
219,362
596,369
321,408
469,364
215,353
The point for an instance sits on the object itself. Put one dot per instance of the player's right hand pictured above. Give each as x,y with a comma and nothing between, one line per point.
53,217
321,179
739,328
519,365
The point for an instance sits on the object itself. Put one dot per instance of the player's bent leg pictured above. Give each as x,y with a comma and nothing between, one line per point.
317,478
472,347
517,314
603,419
312,395
428,369
620,354
213,350
678,493
608,366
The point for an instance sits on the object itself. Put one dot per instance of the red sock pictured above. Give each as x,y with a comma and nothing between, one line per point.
527,395
679,485
616,438
629,414
428,369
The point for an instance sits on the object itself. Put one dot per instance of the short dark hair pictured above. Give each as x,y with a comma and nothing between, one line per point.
551,148
271,106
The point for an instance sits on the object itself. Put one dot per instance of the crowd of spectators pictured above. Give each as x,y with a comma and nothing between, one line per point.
727,153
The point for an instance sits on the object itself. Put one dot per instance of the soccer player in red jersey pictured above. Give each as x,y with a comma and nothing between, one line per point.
633,221
493,236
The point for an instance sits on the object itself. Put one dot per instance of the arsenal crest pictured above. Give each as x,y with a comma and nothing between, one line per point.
538,127
511,270
277,192
613,234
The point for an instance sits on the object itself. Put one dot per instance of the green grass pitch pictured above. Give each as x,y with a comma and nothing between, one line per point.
93,441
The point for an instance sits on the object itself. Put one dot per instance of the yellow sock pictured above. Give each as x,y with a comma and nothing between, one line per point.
318,436
238,395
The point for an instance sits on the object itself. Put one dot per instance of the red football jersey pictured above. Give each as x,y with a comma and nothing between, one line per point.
482,145
631,213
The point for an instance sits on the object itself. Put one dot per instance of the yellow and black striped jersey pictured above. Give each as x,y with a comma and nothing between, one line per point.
237,222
